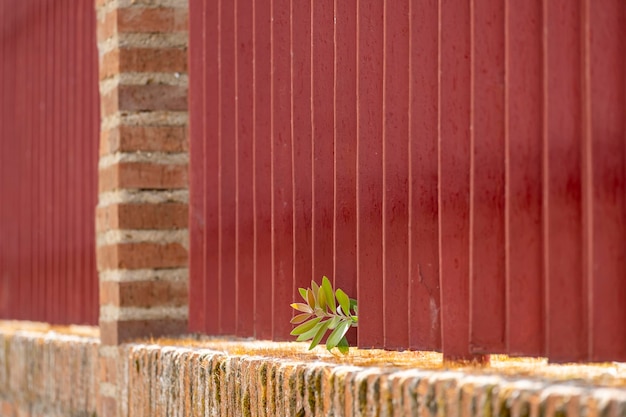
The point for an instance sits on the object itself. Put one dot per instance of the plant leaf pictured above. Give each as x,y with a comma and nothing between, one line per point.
343,346
354,306
305,327
302,292
315,288
300,318
337,334
328,293
310,298
344,301
320,333
334,322
321,299
310,333
302,307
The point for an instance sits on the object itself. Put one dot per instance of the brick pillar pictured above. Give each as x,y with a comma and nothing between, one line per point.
141,220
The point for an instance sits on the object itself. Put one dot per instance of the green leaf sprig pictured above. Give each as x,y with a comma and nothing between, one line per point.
325,309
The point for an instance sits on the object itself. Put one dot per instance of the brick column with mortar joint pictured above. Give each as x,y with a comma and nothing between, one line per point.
142,211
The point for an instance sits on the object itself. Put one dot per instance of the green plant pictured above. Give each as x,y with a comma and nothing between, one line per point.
323,310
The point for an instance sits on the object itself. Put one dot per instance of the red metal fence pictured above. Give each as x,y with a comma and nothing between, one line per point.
49,124
459,166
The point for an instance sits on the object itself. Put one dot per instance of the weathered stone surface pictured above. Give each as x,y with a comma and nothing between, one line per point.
50,374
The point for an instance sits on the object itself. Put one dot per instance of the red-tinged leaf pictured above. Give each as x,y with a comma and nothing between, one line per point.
302,307
300,318
315,288
310,298
305,327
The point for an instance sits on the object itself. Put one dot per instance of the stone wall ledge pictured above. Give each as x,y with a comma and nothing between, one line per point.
253,378
53,371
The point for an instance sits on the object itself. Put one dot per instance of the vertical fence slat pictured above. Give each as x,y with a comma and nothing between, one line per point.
78,39
607,103
211,169
262,167
71,174
227,161
92,130
29,142
64,168
345,233
41,275
523,133
245,227
344,275
565,319
301,131
21,120
33,65
487,276
454,166
3,150
282,197
395,174
322,60
197,225
369,175
424,320
57,134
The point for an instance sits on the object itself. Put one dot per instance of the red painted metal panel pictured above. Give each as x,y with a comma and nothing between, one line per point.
244,263
524,178
92,129
322,114
566,324
424,320
487,275
282,191
454,178
606,137
370,173
55,154
301,132
49,130
262,168
3,173
21,155
488,194
396,175
227,164
211,182
345,256
197,224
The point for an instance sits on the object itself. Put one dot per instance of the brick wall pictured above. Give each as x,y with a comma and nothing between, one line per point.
47,374
142,208
263,380
141,218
